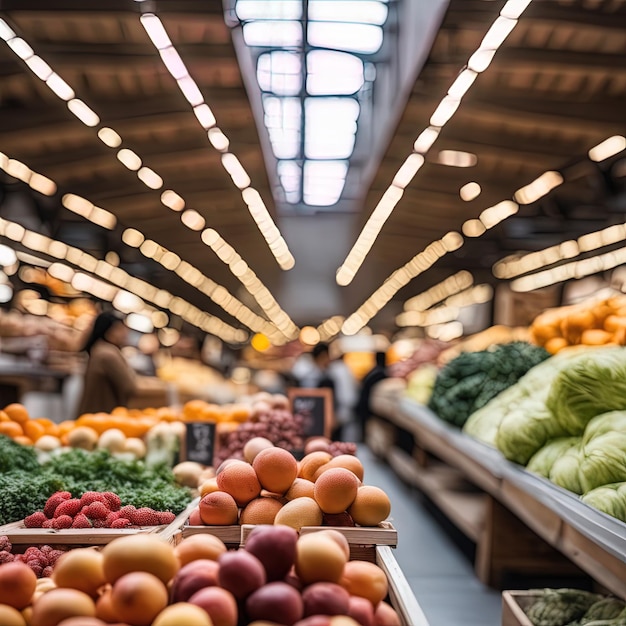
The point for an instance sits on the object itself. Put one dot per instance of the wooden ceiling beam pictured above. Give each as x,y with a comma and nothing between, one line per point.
111,6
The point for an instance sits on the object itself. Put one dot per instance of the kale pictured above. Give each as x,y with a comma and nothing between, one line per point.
14,456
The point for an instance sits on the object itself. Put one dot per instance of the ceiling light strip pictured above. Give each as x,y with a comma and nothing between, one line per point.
477,63
176,67
439,292
170,261
400,278
133,162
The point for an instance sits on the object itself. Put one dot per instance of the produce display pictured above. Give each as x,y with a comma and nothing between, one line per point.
610,499
271,487
472,379
40,559
574,607
26,484
590,323
276,578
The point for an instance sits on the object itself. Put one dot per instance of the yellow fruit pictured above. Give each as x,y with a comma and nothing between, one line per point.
260,511
370,507
10,616
300,488
347,461
335,490
59,604
319,559
364,579
312,462
80,569
199,546
298,513
183,613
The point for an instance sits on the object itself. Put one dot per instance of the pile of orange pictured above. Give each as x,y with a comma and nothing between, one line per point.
199,410
15,422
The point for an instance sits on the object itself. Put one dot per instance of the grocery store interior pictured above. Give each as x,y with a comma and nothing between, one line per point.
389,229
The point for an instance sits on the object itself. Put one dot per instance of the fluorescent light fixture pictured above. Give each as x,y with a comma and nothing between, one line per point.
155,30
444,112
6,32
205,116
462,84
109,137
7,256
426,139
83,112
39,67
149,178
129,159
408,170
470,191
42,184
608,148
456,158
174,64
193,220
140,323
127,302
132,237
77,204
481,60
539,187
172,200
60,87
20,47
473,228
218,139
513,9
498,32
190,90
233,166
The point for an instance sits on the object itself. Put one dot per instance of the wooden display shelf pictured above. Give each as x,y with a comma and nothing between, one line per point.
513,605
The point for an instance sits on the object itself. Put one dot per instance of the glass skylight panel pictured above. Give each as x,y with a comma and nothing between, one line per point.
324,181
359,38
330,127
363,11
283,122
330,73
281,10
290,175
280,72
273,34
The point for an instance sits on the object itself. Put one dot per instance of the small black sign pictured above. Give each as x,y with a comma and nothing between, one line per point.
316,407
200,442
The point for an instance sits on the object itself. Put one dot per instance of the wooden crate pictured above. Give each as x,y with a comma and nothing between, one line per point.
18,534
513,605
363,541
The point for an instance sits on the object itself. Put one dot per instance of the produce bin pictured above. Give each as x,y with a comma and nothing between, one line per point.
513,605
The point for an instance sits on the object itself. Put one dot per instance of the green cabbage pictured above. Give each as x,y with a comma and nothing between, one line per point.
542,461
610,499
603,461
607,422
593,384
565,470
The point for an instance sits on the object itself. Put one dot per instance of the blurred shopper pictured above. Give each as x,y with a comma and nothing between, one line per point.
109,380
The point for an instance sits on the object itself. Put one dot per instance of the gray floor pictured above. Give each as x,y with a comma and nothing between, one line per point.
440,575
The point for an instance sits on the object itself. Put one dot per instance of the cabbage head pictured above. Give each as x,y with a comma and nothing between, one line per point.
603,461
590,385
607,422
525,430
565,470
610,499
542,461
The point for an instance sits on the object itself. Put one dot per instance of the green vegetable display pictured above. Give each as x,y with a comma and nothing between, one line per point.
592,385
472,379
26,490
560,607
543,460
610,499
14,456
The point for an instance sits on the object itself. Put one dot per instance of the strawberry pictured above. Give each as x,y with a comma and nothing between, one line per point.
111,517
127,511
113,500
97,510
47,523
69,507
99,523
53,501
166,517
81,521
35,520
93,496
145,517
64,521
120,522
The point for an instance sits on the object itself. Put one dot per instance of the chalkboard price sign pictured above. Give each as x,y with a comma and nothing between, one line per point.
316,407
200,442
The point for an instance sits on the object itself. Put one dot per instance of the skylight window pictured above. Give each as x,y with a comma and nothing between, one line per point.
315,76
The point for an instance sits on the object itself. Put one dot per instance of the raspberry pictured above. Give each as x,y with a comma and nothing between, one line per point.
32,553
35,520
120,523
64,521
68,507
36,566
54,555
47,571
145,517
97,510
6,557
5,543
92,496
81,521
46,549
127,511
166,517
53,501
113,500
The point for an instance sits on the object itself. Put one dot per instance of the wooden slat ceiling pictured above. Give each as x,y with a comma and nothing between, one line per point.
556,88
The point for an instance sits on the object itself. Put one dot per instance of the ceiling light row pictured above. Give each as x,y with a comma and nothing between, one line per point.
569,271
400,278
133,162
89,264
331,327
439,292
35,181
176,67
478,62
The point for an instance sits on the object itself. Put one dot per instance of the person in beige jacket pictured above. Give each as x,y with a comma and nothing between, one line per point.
109,380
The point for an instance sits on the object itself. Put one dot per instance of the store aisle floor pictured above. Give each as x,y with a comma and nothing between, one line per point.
440,575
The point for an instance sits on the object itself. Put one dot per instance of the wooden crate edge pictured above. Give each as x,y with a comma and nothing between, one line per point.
512,612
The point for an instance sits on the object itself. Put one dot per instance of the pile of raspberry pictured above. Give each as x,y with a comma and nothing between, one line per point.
40,559
93,510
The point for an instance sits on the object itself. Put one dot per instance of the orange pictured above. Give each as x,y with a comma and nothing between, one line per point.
276,469
17,412
33,430
11,429
298,513
23,440
335,490
218,509
370,507
51,428
312,462
260,511
4,417
239,479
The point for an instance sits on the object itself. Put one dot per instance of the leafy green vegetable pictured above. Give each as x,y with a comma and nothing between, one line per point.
559,607
594,384
14,456
610,499
605,609
542,461
25,492
472,379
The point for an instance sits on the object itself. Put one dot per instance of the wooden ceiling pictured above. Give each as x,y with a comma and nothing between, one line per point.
556,88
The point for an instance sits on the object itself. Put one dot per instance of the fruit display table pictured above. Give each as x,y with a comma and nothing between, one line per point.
520,522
